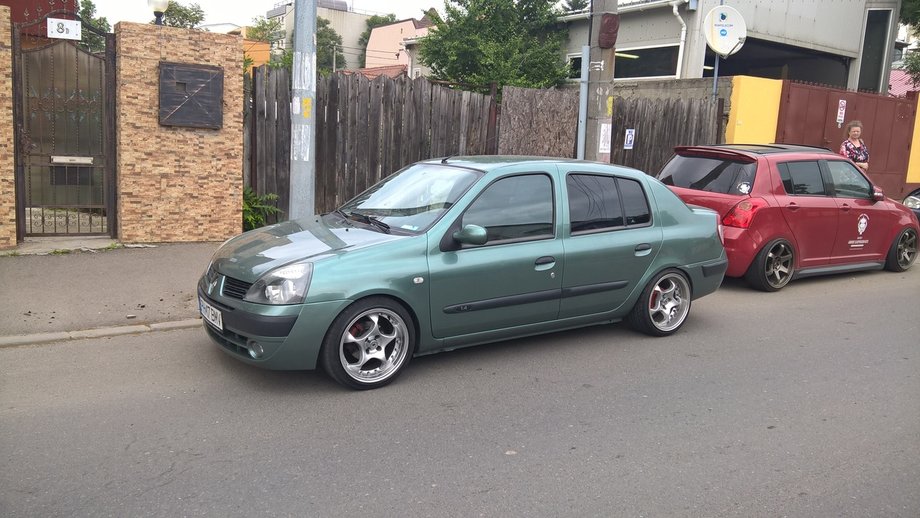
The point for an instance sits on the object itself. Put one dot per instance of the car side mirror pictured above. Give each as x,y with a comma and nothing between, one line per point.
471,235
877,193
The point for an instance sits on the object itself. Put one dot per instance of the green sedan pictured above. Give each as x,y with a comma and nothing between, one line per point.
457,252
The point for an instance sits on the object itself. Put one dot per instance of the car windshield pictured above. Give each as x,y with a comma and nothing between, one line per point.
709,174
411,200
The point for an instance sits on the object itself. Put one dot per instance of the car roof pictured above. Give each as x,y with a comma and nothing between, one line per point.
752,150
486,163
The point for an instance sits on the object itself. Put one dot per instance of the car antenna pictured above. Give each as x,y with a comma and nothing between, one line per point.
447,158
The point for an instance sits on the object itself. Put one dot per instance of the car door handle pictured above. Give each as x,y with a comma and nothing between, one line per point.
845,207
545,260
792,206
643,247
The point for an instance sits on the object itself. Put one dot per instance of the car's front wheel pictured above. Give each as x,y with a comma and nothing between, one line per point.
369,343
903,251
773,267
664,304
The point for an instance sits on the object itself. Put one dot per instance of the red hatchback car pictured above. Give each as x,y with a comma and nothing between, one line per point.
793,211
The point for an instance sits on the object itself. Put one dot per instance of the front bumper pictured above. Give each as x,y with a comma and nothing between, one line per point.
290,337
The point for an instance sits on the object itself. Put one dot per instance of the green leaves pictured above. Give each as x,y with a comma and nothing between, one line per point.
256,209
509,42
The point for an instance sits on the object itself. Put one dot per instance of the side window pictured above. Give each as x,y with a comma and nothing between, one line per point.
594,202
635,204
848,182
802,178
514,208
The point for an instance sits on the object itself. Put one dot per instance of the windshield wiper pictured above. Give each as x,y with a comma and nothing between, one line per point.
370,220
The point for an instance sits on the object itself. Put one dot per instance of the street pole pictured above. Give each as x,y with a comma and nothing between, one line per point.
303,120
600,81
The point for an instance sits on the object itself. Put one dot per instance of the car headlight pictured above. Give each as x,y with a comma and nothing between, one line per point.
286,285
912,202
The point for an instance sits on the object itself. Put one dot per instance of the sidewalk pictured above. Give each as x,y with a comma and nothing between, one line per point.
72,288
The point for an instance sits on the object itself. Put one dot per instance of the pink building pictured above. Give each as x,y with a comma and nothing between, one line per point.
385,47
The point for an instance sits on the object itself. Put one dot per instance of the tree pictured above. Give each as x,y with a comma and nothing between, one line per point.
178,15
509,42
327,42
266,30
93,42
328,48
910,15
373,21
572,6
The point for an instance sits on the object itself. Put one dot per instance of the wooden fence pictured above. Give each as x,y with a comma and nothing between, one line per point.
365,130
538,122
659,125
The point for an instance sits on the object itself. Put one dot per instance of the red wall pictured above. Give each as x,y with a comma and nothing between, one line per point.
32,10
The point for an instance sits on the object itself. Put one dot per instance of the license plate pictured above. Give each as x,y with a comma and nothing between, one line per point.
211,314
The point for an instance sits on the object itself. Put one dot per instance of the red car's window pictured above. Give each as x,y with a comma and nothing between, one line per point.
802,178
709,174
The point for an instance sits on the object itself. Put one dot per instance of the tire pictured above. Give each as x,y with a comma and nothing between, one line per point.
903,251
369,344
773,267
664,304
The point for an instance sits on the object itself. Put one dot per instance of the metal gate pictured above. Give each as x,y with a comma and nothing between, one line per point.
64,99
809,115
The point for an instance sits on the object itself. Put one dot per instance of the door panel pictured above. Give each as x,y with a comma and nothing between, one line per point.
515,278
811,214
864,224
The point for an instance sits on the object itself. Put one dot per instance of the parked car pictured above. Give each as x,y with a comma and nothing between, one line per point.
456,252
793,211
912,202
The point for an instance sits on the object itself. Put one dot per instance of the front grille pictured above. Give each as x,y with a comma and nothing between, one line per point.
235,288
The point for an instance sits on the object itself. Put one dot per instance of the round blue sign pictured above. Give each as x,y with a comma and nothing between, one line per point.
723,32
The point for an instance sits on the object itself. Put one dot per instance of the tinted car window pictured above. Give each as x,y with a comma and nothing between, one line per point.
709,174
514,208
634,202
594,202
802,178
848,182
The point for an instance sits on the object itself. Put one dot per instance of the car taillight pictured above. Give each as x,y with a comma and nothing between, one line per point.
742,214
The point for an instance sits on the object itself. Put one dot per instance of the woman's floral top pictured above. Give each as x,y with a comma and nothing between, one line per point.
856,154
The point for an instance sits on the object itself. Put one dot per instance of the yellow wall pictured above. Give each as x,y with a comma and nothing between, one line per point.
754,110
913,165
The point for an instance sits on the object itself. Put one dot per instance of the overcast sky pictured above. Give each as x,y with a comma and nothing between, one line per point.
241,12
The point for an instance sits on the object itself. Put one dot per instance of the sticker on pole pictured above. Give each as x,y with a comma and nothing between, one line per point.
725,30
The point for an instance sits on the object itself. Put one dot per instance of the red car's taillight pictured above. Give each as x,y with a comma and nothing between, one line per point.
742,214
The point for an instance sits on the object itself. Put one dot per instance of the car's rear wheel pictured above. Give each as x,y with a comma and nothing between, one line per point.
773,267
664,304
903,251
369,344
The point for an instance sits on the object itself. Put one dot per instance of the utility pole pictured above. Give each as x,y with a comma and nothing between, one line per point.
605,23
303,118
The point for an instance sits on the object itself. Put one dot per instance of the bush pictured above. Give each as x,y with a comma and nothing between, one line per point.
257,209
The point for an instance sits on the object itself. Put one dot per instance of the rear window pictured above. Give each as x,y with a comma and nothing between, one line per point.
709,174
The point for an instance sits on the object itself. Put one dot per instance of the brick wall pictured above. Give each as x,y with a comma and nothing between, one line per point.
176,184
7,179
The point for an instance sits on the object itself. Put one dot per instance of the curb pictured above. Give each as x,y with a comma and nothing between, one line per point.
101,332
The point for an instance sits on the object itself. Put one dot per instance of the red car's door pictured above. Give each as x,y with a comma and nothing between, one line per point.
863,223
809,210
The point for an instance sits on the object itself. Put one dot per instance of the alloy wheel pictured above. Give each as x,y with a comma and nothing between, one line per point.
778,265
669,302
374,345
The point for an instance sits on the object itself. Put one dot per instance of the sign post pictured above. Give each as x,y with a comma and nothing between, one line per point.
725,33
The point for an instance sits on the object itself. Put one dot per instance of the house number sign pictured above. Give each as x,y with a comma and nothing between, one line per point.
65,29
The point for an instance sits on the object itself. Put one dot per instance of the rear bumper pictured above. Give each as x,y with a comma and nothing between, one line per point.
741,246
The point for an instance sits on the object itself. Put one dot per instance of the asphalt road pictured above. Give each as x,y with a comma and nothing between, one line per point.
804,402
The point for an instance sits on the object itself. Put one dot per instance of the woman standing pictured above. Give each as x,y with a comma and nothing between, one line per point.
854,148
